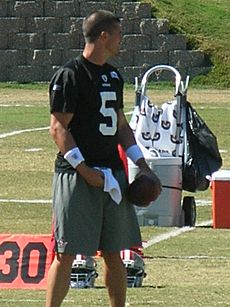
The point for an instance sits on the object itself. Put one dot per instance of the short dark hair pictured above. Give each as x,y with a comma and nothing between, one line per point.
97,22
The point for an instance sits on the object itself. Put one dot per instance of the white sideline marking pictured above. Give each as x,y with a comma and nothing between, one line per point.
33,149
193,257
173,233
129,113
17,105
16,132
27,201
203,202
215,108
199,202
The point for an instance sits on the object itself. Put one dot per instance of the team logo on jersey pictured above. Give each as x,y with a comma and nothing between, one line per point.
62,243
114,74
104,78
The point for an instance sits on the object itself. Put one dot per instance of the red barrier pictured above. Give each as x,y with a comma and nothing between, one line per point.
24,261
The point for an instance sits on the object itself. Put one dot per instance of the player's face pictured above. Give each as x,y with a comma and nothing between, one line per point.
114,40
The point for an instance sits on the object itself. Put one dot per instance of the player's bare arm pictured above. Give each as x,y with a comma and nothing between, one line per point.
59,131
125,133
127,139
62,137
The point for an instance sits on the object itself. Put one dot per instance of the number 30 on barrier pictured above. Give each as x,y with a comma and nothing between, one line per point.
24,261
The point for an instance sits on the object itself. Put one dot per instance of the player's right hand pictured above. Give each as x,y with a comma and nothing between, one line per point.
94,177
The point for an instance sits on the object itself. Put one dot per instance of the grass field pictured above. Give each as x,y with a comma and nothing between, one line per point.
190,269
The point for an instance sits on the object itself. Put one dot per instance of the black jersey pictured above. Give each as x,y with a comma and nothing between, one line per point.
94,94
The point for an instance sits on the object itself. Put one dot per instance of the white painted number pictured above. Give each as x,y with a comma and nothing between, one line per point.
106,129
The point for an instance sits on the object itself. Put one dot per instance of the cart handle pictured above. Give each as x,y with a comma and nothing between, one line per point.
156,68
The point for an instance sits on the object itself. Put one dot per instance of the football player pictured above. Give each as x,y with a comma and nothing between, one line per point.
87,124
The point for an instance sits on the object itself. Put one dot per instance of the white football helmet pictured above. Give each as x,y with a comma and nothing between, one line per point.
83,272
135,268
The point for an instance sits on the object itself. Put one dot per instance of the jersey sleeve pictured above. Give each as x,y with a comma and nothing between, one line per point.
63,91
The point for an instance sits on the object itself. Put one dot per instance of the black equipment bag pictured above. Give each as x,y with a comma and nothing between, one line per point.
203,156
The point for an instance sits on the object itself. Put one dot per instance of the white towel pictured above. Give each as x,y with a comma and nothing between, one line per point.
111,185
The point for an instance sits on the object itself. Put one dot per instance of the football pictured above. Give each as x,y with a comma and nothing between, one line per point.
143,190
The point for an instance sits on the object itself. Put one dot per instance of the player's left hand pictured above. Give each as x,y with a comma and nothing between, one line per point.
146,170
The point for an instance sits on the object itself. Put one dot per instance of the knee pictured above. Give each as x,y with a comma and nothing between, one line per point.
111,257
64,261
115,271
113,261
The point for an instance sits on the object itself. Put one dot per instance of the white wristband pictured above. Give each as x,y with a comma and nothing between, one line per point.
134,153
74,157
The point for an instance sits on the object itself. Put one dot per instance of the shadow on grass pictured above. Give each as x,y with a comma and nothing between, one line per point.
153,287
205,226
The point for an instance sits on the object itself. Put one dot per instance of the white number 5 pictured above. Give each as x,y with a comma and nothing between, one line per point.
108,112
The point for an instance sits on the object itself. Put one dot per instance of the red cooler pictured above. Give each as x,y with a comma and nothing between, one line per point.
221,199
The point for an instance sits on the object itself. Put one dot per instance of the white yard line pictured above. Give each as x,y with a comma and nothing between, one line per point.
18,105
173,233
214,108
27,201
203,202
16,132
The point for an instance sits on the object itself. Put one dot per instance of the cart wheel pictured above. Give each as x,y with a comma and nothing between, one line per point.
189,207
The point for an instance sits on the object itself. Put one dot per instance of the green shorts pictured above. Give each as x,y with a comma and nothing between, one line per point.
86,219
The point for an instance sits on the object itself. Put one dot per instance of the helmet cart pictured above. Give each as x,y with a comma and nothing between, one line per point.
160,131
